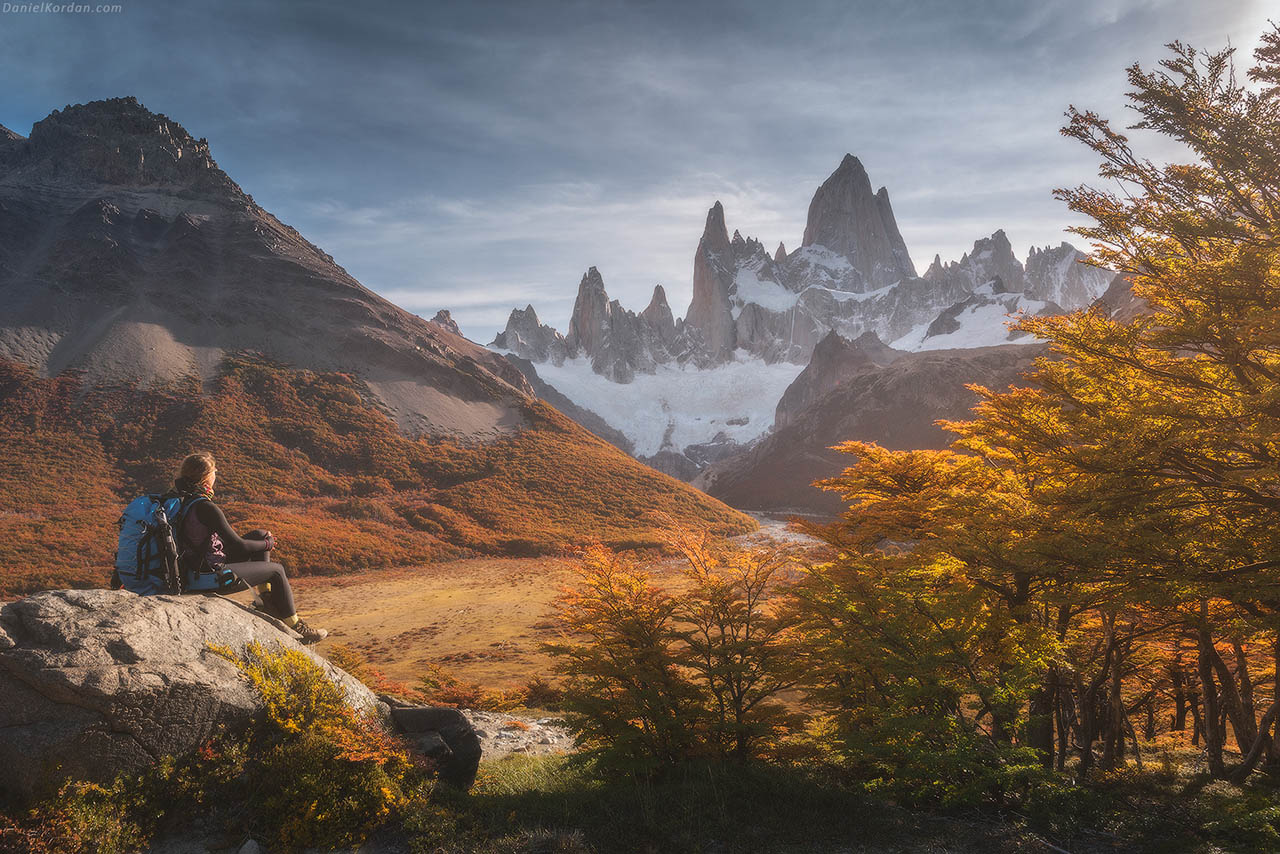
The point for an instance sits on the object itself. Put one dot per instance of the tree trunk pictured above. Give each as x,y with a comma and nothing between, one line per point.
1273,741
1113,738
1133,736
1248,714
1230,701
1062,708
1179,680
1088,701
1085,719
1040,718
1209,697
1241,772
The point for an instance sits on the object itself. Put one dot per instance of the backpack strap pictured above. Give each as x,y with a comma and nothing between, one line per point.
192,556
180,519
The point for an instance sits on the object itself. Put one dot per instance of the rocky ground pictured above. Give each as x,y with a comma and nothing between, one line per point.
502,734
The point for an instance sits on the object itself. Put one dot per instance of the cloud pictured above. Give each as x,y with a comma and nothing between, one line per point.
482,155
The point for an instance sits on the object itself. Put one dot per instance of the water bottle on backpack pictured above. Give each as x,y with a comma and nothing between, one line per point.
147,554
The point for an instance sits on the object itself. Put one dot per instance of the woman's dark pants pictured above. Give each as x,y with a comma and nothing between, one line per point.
258,569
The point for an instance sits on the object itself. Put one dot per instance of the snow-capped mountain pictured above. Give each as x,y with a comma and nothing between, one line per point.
686,390
1052,281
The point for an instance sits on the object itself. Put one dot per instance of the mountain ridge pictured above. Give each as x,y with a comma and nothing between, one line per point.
126,252
852,276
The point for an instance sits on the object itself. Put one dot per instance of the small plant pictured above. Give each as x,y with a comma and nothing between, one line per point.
541,694
84,818
442,688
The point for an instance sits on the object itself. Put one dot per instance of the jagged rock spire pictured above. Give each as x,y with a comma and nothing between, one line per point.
780,254
590,314
715,237
659,317
709,311
848,218
529,338
444,319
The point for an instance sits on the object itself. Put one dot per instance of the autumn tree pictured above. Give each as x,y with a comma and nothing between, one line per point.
658,675
1167,422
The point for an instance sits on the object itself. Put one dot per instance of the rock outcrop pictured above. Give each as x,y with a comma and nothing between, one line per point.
1059,274
990,259
119,142
502,734
659,317
590,322
443,734
96,682
709,316
444,319
835,360
619,342
529,338
995,286
1120,303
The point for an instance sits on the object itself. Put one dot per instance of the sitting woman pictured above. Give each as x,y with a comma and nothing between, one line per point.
208,536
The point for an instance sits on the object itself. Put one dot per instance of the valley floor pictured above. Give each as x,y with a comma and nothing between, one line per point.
481,619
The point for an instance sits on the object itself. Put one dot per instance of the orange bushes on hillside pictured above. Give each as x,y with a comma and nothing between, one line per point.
309,456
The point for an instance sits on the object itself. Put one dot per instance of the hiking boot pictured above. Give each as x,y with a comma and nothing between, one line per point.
307,634
259,605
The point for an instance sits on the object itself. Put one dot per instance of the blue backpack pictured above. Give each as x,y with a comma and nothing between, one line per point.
148,557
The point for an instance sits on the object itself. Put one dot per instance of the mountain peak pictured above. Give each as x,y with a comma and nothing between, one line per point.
149,230
780,254
715,236
990,259
444,319
120,142
590,311
848,218
851,165
591,281
659,298
659,317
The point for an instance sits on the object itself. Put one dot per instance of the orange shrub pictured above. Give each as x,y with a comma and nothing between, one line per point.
307,456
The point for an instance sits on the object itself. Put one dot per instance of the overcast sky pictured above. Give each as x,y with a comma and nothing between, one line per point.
477,156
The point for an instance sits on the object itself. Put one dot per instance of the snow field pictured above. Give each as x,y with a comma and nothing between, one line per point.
677,407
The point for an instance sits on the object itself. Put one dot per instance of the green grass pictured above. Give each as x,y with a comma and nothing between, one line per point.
561,803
